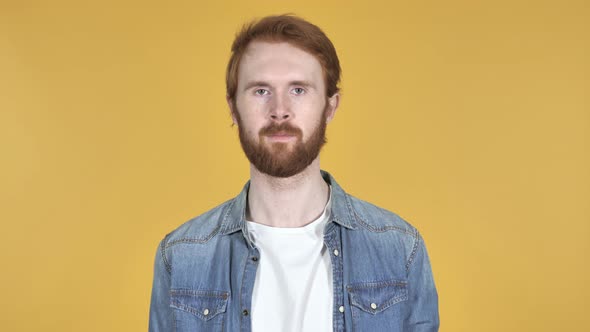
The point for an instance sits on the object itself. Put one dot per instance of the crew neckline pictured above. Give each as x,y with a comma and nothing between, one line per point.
313,227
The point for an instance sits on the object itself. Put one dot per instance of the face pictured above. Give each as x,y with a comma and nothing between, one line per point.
281,107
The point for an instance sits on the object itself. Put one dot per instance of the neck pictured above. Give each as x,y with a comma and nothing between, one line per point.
287,202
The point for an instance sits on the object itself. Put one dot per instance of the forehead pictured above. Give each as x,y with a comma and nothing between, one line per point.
277,62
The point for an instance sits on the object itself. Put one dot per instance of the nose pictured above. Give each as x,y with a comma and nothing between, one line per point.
280,109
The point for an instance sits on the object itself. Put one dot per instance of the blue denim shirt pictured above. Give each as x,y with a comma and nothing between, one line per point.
205,270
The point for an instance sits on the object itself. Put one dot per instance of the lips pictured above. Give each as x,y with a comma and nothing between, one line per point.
280,132
281,136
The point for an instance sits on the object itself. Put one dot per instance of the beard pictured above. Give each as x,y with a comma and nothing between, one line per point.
278,159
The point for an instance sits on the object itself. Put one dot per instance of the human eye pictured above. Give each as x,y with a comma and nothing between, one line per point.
261,92
298,91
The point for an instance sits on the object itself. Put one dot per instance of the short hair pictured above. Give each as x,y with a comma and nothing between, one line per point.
293,30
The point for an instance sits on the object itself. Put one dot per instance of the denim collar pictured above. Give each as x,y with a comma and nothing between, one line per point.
234,218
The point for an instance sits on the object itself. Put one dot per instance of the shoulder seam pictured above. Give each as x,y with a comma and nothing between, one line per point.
225,209
194,240
163,253
366,225
417,240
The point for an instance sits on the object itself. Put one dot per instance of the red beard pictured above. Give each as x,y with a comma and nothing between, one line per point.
278,159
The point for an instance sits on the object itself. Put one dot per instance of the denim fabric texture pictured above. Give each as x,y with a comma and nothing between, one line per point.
205,270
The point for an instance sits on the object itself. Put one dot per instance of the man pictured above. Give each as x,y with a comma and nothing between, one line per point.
293,251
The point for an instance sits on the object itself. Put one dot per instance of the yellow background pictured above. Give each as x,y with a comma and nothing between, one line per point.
470,119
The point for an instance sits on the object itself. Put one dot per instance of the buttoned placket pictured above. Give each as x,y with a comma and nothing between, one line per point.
248,279
333,243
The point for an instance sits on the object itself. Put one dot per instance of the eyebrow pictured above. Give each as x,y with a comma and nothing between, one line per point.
252,84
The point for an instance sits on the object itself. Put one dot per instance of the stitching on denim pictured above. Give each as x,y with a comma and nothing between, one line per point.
414,250
208,293
226,214
376,284
384,306
402,295
195,312
195,240
241,288
366,225
174,320
381,229
163,247
215,310
351,210
330,242
220,305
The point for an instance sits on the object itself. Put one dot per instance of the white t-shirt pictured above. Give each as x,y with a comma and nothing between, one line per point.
293,286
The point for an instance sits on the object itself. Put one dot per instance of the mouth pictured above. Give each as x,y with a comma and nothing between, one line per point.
281,137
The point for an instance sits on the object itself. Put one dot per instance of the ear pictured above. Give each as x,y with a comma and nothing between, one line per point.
333,103
232,111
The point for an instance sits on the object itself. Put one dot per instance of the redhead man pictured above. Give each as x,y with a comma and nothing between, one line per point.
293,251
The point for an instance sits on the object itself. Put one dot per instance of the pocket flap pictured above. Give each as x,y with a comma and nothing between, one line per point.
204,304
374,297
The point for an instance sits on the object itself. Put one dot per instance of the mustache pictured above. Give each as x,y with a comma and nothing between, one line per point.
283,128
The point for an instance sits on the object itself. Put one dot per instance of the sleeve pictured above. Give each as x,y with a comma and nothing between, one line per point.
161,316
422,295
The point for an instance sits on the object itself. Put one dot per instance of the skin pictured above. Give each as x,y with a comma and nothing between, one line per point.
278,82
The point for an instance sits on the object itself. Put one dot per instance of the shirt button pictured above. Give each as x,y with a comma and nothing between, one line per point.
255,258
335,252
373,306
341,308
245,312
206,312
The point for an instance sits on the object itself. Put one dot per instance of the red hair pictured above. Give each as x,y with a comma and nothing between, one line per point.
290,29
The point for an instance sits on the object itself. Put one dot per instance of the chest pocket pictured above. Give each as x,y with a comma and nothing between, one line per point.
376,306
199,310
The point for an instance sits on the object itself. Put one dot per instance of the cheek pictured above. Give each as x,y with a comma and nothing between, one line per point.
247,115
251,109
312,113
250,127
